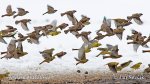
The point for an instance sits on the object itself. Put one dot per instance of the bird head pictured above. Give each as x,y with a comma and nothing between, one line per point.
130,61
74,11
27,11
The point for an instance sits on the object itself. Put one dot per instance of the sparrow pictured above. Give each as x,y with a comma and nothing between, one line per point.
21,12
23,23
21,37
47,55
136,66
9,29
62,26
112,66
50,10
106,27
71,17
34,37
11,49
9,11
119,32
81,55
85,20
119,21
147,70
136,18
60,54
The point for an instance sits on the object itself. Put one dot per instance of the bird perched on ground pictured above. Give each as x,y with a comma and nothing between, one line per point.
136,18
21,12
71,17
60,54
23,23
81,55
147,70
123,65
50,10
112,66
136,66
11,50
47,55
9,11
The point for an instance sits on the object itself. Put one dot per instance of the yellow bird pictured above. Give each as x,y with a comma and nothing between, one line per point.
136,66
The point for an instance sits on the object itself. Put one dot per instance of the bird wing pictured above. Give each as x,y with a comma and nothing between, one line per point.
54,24
81,53
20,10
24,26
45,55
135,47
20,47
119,36
9,9
138,21
50,8
2,40
72,19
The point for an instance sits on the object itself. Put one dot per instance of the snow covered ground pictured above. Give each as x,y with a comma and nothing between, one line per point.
96,10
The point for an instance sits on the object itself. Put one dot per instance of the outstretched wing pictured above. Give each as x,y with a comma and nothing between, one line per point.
9,9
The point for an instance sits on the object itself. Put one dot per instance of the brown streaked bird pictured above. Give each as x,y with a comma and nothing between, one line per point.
23,23
9,29
60,54
71,17
9,11
47,55
106,27
113,66
21,12
21,37
121,22
84,36
50,10
11,50
81,56
34,37
119,32
62,26
136,18
147,70
85,20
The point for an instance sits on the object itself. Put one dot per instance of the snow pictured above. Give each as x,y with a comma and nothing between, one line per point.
96,10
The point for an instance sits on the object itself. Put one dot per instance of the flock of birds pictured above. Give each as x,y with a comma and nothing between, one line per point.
15,47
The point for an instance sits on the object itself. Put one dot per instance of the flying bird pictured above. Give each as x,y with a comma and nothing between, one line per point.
23,23
9,11
50,10
21,12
